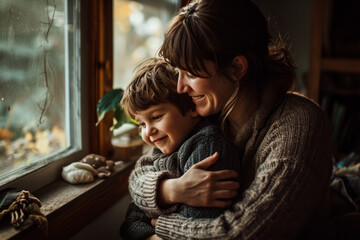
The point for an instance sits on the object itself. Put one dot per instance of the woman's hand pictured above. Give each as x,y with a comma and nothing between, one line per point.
201,188
153,222
154,237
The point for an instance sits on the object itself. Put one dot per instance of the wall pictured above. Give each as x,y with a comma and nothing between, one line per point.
107,225
293,20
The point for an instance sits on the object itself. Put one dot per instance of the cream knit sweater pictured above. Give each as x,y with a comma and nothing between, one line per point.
286,166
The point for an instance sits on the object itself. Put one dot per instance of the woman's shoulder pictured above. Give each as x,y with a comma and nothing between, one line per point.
296,104
300,99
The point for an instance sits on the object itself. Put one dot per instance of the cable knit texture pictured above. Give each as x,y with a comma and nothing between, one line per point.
204,141
286,166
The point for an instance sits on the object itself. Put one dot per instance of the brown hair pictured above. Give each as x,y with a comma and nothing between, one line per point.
154,82
218,31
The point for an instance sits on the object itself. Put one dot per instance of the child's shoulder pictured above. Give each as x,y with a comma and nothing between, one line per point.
204,135
207,131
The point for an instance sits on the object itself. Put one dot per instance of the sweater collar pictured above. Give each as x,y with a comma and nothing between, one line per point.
269,100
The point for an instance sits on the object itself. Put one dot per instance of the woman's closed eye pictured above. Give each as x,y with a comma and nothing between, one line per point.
189,75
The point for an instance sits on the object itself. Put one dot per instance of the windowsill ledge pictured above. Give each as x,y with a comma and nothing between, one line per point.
69,208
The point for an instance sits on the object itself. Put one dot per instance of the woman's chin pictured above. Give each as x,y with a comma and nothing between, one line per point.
204,112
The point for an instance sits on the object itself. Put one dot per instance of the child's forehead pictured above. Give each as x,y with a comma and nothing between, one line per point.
152,108
161,107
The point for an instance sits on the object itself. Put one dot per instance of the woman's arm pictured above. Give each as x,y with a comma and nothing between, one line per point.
290,183
200,188
155,189
207,149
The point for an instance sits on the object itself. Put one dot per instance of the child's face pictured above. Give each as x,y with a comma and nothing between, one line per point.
164,127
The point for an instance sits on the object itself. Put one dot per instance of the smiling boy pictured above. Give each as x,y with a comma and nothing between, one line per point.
164,127
179,136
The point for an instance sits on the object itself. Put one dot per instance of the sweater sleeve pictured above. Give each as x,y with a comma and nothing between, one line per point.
145,178
290,180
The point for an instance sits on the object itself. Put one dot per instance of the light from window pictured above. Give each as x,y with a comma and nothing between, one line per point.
138,33
39,84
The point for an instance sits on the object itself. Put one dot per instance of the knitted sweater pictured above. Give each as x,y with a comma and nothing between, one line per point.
204,141
286,166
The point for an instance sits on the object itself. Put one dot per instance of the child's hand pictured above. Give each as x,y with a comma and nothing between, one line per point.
201,188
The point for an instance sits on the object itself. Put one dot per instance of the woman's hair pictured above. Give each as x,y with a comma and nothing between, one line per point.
154,82
218,31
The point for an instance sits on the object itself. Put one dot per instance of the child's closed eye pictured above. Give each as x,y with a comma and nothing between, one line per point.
156,117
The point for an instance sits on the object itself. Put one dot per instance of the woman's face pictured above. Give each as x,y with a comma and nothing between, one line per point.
208,94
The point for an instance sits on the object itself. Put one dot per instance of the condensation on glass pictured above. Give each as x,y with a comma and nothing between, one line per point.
37,83
138,33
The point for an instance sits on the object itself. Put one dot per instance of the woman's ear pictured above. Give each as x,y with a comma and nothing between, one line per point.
239,66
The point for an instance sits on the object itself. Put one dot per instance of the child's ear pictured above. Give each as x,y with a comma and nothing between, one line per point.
239,67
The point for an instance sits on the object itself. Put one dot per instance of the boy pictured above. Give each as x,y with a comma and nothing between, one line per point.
179,137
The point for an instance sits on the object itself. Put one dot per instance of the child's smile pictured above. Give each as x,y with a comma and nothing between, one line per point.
163,126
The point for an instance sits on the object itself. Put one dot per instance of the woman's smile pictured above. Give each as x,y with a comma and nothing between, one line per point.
209,94
197,98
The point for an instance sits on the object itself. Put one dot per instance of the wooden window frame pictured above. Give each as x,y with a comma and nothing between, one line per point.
68,215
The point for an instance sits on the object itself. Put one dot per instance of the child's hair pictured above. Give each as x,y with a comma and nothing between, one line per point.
154,82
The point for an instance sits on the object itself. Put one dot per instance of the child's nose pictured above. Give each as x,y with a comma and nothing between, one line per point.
150,130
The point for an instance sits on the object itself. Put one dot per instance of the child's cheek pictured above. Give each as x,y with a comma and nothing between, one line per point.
145,138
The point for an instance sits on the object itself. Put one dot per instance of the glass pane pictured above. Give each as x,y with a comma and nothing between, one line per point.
34,77
138,33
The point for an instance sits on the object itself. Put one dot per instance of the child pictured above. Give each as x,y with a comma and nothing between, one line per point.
178,135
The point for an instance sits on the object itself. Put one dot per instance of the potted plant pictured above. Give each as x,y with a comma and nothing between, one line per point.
126,140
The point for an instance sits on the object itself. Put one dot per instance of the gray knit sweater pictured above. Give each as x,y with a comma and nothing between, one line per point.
286,166
203,142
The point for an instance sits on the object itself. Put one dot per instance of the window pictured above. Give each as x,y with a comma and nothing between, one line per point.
139,27
40,120
49,85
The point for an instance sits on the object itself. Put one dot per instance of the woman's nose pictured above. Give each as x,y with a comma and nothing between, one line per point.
182,86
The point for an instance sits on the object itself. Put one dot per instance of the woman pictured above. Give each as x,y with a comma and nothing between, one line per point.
229,67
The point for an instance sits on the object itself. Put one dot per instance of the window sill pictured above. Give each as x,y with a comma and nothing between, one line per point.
69,208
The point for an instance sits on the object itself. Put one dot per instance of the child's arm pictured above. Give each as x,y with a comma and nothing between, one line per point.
137,226
144,180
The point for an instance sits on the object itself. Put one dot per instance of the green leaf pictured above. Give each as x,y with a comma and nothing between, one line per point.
133,122
109,102
119,116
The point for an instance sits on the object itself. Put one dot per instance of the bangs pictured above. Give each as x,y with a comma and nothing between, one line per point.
152,85
185,47
144,95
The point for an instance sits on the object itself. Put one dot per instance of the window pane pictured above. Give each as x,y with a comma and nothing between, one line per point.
138,33
35,80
